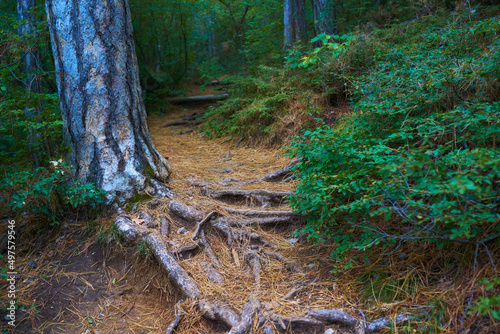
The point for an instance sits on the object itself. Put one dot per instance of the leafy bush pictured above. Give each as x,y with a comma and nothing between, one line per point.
48,192
418,159
261,103
31,130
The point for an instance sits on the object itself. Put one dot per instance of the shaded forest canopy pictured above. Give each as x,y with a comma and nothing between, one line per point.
392,106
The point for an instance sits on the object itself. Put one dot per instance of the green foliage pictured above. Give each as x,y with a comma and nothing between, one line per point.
143,249
48,192
489,305
418,158
31,129
258,103
30,123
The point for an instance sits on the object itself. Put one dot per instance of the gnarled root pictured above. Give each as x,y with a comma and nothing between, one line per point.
175,323
253,260
211,273
282,173
382,323
249,312
254,197
333,316
186,213
219,311
238,234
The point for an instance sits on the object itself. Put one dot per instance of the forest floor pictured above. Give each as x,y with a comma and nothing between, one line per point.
73,281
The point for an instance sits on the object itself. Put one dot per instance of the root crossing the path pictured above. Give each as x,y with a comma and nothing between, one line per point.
226,240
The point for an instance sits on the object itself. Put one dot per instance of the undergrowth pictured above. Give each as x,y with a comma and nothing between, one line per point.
33,178
413,168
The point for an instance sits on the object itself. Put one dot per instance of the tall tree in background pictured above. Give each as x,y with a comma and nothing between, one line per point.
294,22
100,96
238,25
30,63
30,59
324,17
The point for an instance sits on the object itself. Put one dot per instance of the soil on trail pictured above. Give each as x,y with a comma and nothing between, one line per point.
74,284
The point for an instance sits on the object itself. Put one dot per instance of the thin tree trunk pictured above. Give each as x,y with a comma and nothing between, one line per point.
294,22
31,59
100,95
325,21
30,63
288,23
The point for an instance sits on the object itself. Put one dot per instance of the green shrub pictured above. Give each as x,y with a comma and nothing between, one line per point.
418,159
48,192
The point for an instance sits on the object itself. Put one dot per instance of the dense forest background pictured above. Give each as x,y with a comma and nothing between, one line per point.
394,110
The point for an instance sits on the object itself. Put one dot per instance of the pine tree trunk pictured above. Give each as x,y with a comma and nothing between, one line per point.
30,63
30,59
100,96
294,22
324,17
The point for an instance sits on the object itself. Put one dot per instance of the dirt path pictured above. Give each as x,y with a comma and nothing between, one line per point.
255,269
245,272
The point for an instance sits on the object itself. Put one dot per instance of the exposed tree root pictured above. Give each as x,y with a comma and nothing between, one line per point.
206,98
333,316
219,311
242,236
254,245
187,120
193,116
383,323
175,271
222,170
294,323
175,323
199,226
259,213
254,197
133,232
212,274
249,312
186,252
267,329
255,222
187,214
164,226
282,173
289,264
253,260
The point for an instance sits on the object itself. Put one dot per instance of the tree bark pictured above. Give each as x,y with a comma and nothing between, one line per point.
100,96
325,21
31,58
30,63
294,22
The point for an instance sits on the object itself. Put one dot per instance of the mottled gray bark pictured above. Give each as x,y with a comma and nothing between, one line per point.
295,29
100,95
324,17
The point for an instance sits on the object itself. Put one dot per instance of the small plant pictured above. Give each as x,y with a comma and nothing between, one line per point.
489,305
143,249
49,191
